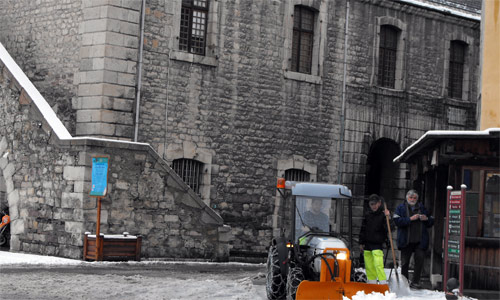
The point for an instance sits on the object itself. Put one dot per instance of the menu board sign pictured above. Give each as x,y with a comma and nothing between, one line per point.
454,226
454,244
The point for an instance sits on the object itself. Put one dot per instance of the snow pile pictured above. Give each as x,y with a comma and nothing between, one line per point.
37,277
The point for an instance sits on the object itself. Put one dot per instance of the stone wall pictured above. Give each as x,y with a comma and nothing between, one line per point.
44,39
47,182
241,112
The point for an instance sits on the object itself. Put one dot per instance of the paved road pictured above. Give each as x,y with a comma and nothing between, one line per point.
145,280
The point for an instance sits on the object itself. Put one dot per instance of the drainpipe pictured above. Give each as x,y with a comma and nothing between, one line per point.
342,113
139,72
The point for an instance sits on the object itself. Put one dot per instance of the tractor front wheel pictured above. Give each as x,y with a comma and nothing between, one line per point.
275,283
294,278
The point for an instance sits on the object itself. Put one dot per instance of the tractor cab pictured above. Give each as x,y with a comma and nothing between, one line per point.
318,209
311,260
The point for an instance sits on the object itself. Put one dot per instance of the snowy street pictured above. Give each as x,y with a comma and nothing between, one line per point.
26,276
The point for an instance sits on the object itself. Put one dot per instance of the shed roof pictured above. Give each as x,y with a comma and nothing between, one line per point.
469,9
434,136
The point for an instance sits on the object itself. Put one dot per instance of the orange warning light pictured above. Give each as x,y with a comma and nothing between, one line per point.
281,183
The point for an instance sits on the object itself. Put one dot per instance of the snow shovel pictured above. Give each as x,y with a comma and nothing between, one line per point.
400,287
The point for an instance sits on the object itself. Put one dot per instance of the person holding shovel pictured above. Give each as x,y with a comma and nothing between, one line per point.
372,236
412,220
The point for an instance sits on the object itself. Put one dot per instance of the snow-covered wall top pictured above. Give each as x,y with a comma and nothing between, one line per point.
42,105
469,9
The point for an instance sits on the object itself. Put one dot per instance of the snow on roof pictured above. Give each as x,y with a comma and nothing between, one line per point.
441,134
457,8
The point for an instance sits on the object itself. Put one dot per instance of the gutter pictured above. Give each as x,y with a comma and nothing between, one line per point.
139,72
342,113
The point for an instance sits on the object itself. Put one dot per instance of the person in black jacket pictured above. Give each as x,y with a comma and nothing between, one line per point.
372,236
412,220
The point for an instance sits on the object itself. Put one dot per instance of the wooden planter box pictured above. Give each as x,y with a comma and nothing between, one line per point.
113,247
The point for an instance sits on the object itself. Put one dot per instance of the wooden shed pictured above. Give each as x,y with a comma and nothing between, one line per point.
442,158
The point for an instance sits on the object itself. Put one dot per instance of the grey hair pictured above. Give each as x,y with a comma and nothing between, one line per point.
410,193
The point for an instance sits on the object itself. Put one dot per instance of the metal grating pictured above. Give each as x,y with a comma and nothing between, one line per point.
387,56
297,175
302,42
193,29
190,171
456,71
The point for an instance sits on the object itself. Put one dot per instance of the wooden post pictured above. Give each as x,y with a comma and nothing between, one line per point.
446,237
98,231
463,189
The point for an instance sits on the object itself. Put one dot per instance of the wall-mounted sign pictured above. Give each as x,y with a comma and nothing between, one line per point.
99,176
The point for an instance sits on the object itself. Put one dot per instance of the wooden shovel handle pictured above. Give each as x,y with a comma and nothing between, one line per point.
390,238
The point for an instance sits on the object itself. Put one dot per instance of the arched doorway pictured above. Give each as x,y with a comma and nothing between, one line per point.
381,172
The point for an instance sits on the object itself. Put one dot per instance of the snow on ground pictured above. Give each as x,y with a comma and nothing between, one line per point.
55,278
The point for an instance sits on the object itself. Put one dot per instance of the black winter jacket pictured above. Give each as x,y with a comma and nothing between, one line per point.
373,228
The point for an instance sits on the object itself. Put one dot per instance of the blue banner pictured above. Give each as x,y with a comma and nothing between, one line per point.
99,176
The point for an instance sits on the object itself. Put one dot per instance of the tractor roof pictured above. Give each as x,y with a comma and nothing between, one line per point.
320,190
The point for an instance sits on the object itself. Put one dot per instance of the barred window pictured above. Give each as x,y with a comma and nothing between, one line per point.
297,175
190,171
302,42
193,29
387,56
456,69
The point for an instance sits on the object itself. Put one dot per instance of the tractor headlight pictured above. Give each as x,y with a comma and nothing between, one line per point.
342,255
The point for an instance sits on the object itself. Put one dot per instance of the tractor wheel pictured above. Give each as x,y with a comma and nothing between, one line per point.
275,283
294,278
359,276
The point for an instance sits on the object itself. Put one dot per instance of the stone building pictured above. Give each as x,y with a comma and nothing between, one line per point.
232,94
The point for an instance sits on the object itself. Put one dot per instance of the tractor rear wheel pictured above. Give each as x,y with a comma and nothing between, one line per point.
294,277
275,283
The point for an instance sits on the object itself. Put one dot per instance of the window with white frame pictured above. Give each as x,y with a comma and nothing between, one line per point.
388,71
388,50
305,38
195,29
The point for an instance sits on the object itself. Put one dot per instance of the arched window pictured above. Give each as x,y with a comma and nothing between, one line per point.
190,171
297,175
388,50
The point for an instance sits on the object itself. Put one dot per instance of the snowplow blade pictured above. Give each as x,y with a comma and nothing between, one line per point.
351,288
336,290
319,290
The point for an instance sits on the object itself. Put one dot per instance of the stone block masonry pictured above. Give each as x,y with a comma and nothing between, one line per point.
47,183
107,76
239,109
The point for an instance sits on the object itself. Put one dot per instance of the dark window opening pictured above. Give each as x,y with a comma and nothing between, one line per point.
387,56
302,42
297,175
190,171
483,205
456,71
193,31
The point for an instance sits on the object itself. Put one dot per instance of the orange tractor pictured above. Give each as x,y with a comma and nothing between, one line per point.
312,261
4,231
